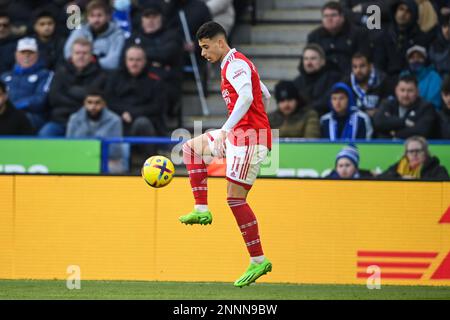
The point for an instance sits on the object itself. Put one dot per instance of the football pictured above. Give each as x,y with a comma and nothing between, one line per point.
158,171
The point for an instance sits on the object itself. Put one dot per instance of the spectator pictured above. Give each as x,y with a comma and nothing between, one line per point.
338,37
443,8
407,114
428,19
164,50
138,98
417,163
13,122
107,38
72,80
8,43
440,49
49,43
369,84
222,12
29,82
293,117
122,15
95,120
344,121
316,78
347,165
403,33
357,10
429,80
444,114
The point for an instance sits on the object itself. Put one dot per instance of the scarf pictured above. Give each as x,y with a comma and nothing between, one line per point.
350,129
363,100
404,169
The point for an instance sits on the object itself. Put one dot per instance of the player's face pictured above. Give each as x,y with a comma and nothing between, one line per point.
135,61
403,16
415,153
312,62
332,20
345,168
45,27
212,49
339,102
93,105
406,93
97,19
287,106
446,99
361,68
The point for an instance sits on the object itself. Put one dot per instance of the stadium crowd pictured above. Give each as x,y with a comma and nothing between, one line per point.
127,57
358,83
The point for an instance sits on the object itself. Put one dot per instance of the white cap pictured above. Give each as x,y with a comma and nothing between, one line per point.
27,44
417,48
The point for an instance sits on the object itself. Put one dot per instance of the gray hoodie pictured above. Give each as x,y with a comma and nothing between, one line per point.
108,126
107,46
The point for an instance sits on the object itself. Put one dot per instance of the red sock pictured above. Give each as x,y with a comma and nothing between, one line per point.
198,174
248,224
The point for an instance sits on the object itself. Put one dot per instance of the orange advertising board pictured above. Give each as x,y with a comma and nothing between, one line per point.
314,231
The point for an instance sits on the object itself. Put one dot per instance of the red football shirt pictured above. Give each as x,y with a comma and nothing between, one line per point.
254,127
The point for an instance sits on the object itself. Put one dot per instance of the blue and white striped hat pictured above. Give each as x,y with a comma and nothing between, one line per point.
350,152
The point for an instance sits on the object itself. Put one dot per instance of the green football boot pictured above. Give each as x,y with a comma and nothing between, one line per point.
196,217
254,271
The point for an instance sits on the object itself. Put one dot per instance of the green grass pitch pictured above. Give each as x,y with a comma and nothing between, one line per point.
30,289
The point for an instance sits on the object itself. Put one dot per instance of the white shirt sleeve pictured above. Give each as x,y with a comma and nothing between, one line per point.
239,74
241,107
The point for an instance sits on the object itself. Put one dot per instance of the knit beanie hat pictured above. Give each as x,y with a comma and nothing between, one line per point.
350,152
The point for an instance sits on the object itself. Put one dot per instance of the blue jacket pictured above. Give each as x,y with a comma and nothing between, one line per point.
430,85
28,88
354,124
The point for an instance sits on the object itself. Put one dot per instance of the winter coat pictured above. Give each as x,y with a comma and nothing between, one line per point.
7,53
108,126
315,87
222,12
444,124
14,122
303,123
28,88
69,89
339,48
139,96
387,120
353,125
429,85
360,174
52,52
107,46
382,88
164,47
439,54
390,50
431,170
